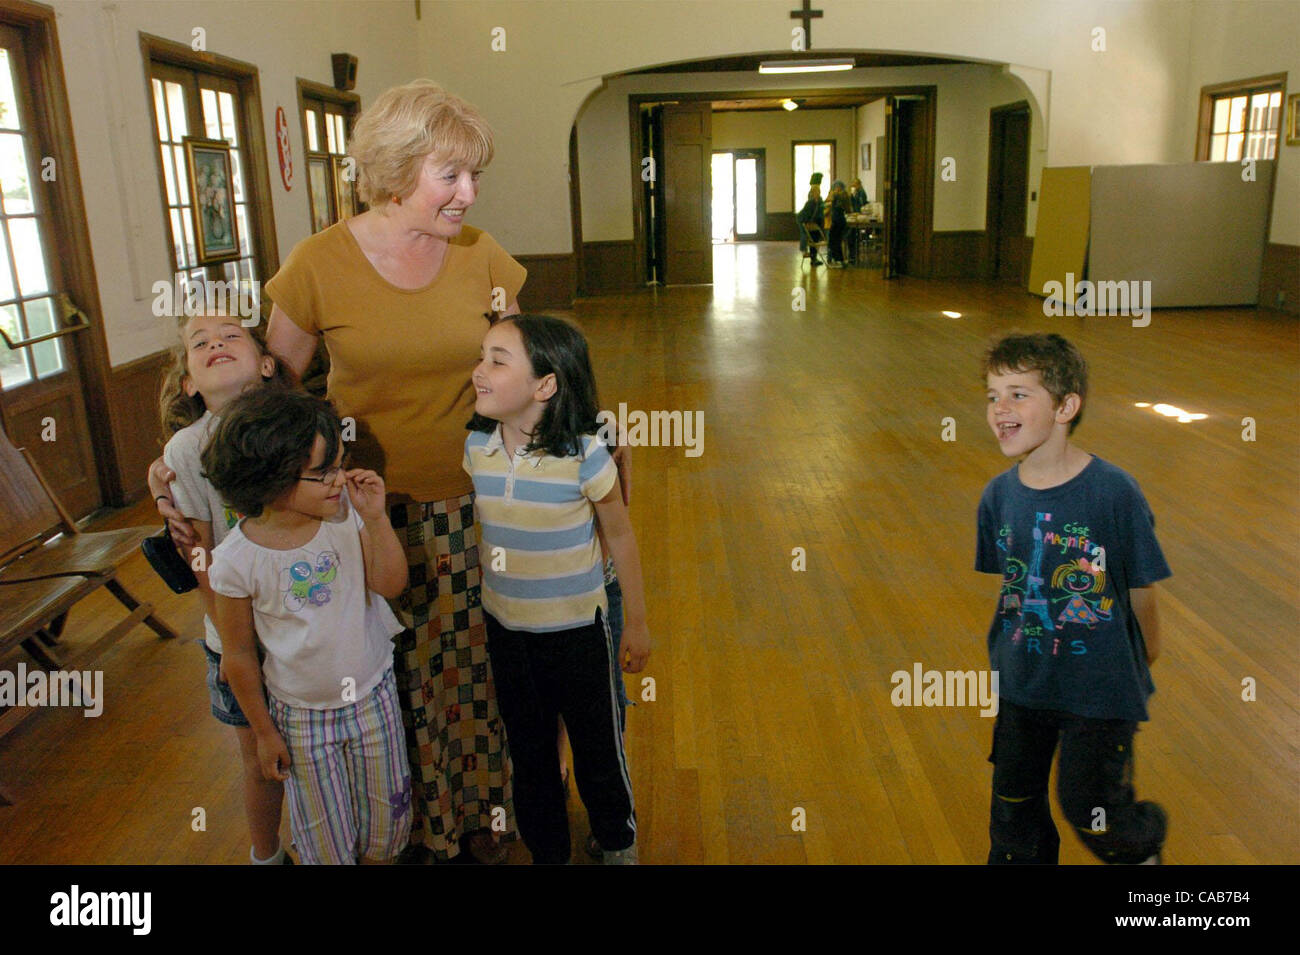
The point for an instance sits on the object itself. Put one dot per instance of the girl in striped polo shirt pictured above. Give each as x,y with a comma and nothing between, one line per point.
543,480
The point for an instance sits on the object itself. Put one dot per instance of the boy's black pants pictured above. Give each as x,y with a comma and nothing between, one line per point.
1094,783
540,677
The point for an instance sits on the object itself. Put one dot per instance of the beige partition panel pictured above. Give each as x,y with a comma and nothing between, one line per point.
1061,236
1195,231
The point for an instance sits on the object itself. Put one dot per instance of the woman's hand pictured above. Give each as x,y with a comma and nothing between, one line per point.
366,489
182,531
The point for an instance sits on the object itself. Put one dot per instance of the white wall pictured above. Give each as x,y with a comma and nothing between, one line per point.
871,126
775,132
111,121
1123,105
1238,41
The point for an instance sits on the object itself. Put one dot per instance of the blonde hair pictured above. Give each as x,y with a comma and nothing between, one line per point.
178,410
406,125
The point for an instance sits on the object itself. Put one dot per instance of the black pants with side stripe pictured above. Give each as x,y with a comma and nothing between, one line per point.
540,677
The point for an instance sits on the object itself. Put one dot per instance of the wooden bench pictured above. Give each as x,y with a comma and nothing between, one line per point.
47,565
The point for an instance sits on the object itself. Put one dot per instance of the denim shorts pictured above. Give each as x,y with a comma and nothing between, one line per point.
224,705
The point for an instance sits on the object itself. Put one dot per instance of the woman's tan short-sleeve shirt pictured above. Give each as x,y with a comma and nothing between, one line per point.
400,360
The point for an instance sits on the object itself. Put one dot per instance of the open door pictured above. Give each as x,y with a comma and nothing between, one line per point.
687,191
1008,183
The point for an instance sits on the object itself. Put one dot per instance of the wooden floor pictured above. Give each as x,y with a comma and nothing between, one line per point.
823,431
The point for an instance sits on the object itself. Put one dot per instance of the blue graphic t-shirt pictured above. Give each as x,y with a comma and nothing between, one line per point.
1064,636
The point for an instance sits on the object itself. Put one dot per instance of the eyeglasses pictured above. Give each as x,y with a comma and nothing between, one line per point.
328,476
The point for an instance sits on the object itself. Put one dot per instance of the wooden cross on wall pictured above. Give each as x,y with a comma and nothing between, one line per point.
807,15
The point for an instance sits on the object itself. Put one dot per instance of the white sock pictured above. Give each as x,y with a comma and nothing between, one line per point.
277,858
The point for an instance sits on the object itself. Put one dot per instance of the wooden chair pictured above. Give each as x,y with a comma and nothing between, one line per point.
48,564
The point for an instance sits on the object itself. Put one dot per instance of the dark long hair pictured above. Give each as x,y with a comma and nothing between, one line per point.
555,347
263,442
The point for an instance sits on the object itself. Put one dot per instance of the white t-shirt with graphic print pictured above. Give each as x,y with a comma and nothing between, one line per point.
328,640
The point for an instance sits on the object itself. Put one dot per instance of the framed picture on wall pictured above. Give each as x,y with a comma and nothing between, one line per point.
320,181
866,156
212,195
1293,120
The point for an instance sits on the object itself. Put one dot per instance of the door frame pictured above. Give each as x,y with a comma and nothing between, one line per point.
989,267
71,236
930,95
634,101
760,211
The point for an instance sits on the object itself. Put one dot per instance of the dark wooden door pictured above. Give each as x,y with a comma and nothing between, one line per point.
913,178
1008,181
687,180
42,384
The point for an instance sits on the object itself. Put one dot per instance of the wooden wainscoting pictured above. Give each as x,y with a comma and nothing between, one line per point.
957,254
133,407
781,227
609,266
552,281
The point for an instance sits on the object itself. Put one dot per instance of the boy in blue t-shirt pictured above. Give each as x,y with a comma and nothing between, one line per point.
1076,626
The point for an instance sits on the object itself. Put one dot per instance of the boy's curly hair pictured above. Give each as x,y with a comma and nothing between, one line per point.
1061,367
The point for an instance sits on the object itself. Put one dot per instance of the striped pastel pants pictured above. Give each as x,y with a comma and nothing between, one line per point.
349,786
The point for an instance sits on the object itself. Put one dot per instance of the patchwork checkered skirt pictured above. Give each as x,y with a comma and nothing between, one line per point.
460,765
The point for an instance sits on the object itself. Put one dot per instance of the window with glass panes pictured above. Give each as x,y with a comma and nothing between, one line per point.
327,119
27,309
808,159
191,103
1244,124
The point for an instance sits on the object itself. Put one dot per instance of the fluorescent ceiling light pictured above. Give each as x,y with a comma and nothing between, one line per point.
789,104
953,314
804,66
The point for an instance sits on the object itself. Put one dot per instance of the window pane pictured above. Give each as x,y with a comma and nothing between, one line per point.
1218,148
176,111
330,135
178,237
211,117
228,130
191,255
747,196
13,363
9,117
47,356
242,218
6,278
13,174
313,144
160,110
182,178
1270,145
169,175
1220,116
236,175
1237,114
1234,146
338,126
28,257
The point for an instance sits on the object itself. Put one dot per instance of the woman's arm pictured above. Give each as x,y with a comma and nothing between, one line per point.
243,671
289,342
619,538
